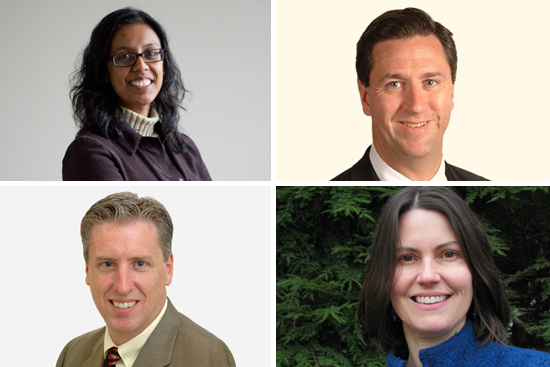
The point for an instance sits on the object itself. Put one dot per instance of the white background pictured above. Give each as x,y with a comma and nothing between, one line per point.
223,51
499,126
222,272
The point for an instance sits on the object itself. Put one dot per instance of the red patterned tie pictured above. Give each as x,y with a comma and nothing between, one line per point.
112,357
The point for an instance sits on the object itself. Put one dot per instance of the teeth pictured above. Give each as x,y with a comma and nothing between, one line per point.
141,83
420,124
124,305
429,300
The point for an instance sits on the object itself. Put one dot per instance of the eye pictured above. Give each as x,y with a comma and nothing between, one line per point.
449,254
430,83
407,258
107,264
140,264
394,85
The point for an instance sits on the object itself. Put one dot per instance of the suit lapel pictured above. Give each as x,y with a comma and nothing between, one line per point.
363,170
98,355
158,349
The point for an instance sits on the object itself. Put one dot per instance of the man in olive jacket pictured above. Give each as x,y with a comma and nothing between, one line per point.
129,263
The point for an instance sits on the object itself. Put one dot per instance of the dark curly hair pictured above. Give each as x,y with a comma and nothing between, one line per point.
95,102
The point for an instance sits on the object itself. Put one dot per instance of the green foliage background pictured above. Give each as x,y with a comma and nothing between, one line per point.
323,239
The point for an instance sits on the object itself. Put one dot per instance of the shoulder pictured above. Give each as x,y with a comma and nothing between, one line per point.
218,352
85,340
81,348
344,176
360,171
87,142
454,173
91,157
505,355
191,341
192,161
190,146
195,329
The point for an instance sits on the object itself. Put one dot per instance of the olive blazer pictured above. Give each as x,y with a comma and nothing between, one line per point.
176,342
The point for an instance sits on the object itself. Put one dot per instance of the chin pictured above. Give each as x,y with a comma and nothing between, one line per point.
435,326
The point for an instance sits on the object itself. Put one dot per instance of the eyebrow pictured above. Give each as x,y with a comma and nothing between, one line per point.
448,243
430,74
128,47
108,258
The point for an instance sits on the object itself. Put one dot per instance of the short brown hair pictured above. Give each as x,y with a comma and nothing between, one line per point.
397,24
127,207
375,308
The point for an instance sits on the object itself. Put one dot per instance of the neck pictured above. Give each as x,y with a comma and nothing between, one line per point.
416,342
415,168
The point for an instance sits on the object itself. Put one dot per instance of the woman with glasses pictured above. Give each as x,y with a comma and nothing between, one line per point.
126,97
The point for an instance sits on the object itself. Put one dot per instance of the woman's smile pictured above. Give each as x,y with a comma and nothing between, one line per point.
433,285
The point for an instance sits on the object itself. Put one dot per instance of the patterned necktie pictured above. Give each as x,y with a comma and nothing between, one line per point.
112,357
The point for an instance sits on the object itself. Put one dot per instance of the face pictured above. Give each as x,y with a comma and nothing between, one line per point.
127,276
431,264
135,38
410,97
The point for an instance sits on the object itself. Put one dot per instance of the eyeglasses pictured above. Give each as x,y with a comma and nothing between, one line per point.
128,59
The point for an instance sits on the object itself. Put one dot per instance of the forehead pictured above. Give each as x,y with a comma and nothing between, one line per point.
421,228
409,55
124,239
133,36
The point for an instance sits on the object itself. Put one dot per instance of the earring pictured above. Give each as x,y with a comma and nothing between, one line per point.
475,312
393,315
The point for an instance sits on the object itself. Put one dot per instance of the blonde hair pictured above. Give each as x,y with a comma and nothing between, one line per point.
127,207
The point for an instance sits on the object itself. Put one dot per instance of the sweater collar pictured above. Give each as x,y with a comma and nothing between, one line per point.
144,126
464,339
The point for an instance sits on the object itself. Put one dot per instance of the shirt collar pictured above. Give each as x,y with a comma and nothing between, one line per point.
387,173
130,350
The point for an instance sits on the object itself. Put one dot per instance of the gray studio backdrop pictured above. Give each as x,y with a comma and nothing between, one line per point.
222,48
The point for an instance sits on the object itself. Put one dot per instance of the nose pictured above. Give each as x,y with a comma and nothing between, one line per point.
123,282
140,64
414,99
428,273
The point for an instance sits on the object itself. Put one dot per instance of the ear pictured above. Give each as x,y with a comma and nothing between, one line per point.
452,96
363,93
87,279
169,269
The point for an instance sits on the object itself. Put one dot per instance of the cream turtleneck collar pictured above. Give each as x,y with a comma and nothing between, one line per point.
143,125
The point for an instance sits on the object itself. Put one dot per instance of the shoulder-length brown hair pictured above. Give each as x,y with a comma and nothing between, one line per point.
375,308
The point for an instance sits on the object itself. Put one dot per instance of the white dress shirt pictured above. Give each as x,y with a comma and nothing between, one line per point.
386,173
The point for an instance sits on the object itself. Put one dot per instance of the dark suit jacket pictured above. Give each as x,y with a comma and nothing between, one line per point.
176,342
363,171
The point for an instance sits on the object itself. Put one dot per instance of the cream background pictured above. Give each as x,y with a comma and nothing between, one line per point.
221,280
499,126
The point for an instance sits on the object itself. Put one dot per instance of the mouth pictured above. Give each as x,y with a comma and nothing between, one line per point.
141,83
414,125
124,305
430,300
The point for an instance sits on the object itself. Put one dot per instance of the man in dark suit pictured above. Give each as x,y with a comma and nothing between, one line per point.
406,69
127,248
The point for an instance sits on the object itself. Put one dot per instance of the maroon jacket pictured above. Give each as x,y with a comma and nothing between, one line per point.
91,157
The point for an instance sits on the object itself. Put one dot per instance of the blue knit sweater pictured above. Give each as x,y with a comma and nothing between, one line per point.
462,350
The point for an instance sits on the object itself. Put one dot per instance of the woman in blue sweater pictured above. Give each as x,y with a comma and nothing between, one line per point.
431,294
